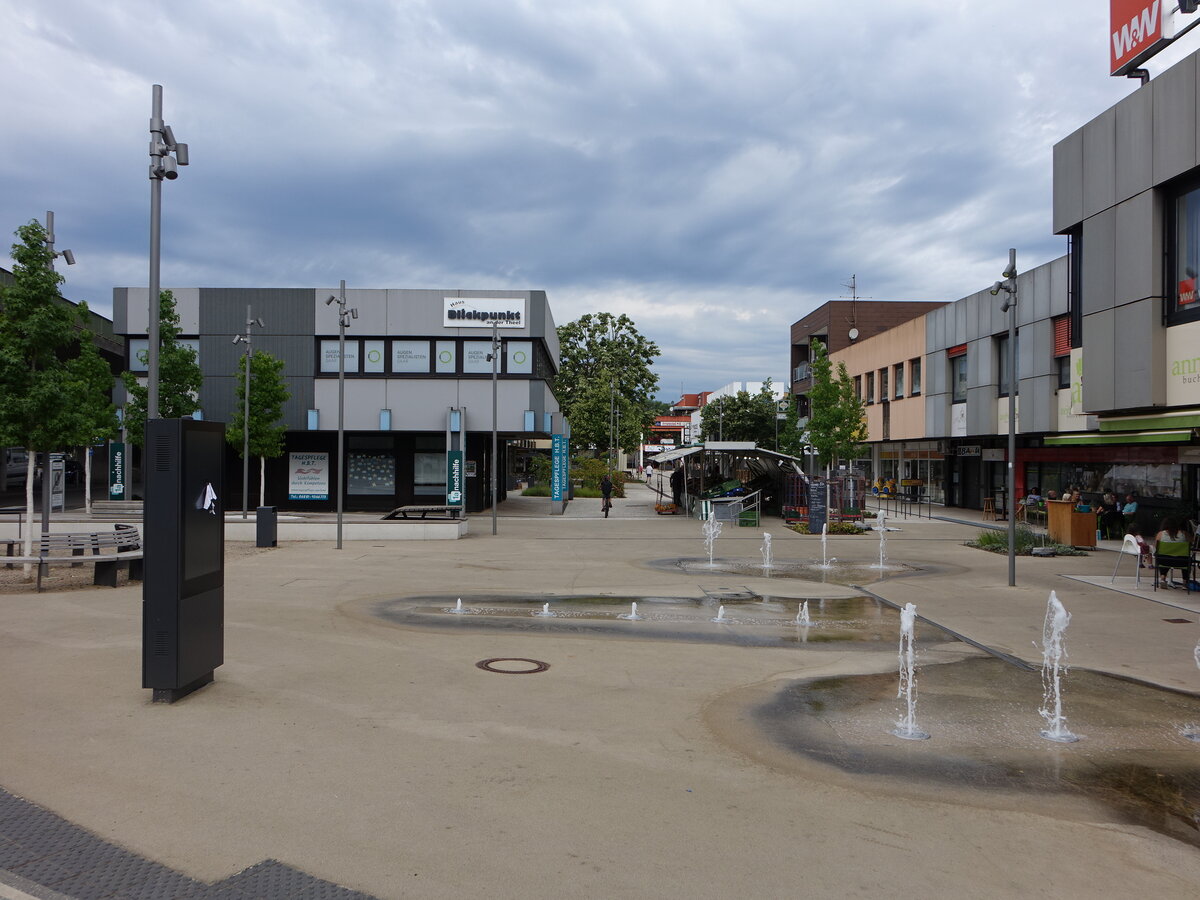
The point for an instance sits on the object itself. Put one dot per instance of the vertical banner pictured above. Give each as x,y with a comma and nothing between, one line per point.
116,471
454,478
558,467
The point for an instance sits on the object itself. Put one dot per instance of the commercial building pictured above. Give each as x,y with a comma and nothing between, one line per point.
418,382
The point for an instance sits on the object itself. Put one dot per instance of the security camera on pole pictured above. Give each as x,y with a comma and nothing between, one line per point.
344,317
1009,286
162,165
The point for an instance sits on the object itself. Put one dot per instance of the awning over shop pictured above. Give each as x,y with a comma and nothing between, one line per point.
1093,438
677,453
745,449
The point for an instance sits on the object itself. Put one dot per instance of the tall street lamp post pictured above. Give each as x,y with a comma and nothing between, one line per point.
47,474
245,339
162,165
495,358
344,317
1009,287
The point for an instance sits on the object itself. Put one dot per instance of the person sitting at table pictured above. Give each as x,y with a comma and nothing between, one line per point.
1082,504
1129,510
1033,498
1051,494
1146,560
1170,531
1110,516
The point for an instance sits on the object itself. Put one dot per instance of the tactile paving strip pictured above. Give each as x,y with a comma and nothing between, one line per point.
47,850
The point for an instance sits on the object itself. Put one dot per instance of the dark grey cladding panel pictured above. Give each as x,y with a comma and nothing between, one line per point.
1138,231
1068,182
284,310
1099,261
981,410
218,399
1175,120
120,310
1099,366
219,355
1060,270
1038,404
1099,163
1135,144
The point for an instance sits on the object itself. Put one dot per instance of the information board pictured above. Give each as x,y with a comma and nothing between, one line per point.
818,514
559,467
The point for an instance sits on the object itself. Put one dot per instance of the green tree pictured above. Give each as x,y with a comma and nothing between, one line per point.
56,389
268,393
742,417
837,425
791,435
605,365
179,376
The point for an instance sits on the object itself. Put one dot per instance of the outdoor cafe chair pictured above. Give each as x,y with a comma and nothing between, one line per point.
1171,555
1130,546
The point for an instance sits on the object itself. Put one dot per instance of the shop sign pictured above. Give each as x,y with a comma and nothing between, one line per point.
308,476
968,450
1183,364
559,471
483,312
454,477
1137,32
116,471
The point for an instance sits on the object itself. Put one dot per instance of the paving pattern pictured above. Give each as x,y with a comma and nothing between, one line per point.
46,850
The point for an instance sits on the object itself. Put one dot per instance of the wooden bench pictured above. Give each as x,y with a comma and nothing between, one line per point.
404,512
108,551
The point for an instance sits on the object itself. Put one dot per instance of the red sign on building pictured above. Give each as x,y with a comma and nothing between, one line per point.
1136,30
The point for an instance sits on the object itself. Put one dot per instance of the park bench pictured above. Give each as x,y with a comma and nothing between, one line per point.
108,551
405,512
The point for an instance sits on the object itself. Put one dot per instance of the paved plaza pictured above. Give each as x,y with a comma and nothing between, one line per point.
340,753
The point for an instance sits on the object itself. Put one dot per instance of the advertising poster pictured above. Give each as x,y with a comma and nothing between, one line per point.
116,471
308,476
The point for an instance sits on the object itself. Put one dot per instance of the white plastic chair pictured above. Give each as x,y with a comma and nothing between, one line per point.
1131,546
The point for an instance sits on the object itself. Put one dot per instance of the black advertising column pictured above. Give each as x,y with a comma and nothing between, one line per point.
183,594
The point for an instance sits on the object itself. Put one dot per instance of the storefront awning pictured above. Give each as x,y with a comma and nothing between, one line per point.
1093,438
677,453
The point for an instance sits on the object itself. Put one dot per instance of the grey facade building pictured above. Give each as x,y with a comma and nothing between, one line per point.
412,356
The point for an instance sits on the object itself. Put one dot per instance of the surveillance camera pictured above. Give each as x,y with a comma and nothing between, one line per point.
168,136
181,154
995,289
1010,272
354,313
168,168
69,257
330,300
260,323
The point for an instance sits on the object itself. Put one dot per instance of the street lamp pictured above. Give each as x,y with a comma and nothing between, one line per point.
1009,286
162,165
494,357
344,317
245,339
47,475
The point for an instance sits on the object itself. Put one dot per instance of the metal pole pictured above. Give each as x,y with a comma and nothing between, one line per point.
1012,422
341,456
495,483
156,128
246,420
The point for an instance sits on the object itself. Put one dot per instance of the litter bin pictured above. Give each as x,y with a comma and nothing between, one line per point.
267,520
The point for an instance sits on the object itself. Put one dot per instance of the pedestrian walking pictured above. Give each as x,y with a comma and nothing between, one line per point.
606,489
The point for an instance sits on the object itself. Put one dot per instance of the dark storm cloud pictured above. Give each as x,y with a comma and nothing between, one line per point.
715,170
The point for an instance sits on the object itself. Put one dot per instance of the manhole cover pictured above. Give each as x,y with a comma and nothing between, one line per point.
519,666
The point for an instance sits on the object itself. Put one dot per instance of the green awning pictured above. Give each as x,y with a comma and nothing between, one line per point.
1148,423
1093,438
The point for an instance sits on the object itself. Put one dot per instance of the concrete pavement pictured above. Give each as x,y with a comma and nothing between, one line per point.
381,759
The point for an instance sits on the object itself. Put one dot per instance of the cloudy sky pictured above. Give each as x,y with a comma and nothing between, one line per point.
714,169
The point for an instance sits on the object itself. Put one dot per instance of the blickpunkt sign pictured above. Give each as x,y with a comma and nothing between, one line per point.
484,312
1137,31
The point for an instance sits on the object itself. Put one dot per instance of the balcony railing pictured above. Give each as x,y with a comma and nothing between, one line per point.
802,372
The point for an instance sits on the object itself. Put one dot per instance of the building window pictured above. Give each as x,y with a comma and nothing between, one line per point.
870,387
1064,371
898,378
1003,375
914,377
858,386
1184,228
370,466
958,378
883,385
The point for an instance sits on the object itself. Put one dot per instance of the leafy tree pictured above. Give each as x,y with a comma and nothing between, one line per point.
56,389
268,393
837,425
742,417
179,376
605,365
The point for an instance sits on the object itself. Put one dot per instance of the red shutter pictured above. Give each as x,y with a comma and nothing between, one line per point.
960,350
1062,336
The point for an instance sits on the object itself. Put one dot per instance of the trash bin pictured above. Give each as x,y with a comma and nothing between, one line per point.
267,520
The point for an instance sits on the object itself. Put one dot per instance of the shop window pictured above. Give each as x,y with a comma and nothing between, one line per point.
898,379
914,377
1184,263
329,357
1064,371
370,466
429,466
